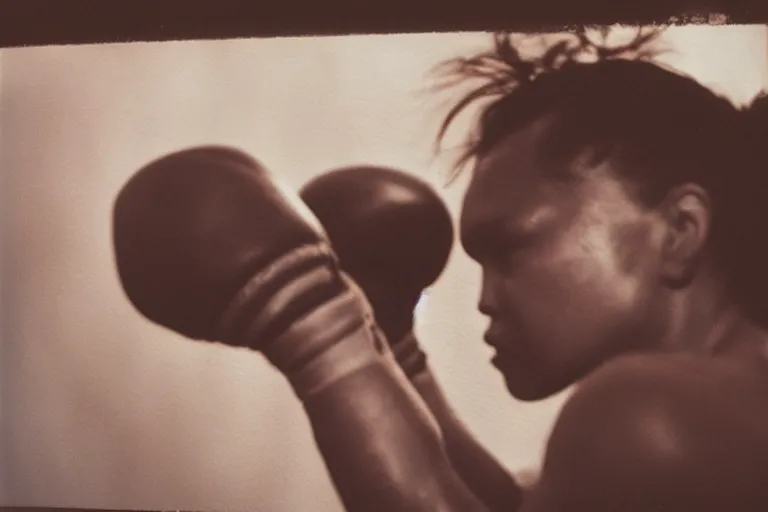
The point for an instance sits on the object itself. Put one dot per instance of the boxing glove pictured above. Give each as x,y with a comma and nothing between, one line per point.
393,235
208,245
390,230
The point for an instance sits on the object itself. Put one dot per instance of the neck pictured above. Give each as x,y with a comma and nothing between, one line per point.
704,320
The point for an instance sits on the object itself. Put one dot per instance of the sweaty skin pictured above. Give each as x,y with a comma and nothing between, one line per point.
660,432
582,283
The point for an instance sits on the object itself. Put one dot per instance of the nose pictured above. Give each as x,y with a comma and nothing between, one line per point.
488,304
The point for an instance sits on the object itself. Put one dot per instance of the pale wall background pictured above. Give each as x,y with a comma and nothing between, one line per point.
101,408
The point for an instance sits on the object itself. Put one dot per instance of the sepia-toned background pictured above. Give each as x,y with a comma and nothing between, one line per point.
101,408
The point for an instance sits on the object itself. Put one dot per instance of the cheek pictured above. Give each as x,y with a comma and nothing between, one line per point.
585,280
604,264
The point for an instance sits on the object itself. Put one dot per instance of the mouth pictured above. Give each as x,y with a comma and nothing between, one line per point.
504,352
493,340
496,361
493,337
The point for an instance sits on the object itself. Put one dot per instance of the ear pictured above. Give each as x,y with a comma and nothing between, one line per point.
687,214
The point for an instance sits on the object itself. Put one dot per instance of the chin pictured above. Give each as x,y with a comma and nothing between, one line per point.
531,387
529,393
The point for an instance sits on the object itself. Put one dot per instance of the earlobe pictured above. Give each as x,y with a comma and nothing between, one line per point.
686,210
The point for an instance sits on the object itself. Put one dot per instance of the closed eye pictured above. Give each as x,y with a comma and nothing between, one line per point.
498,252
496,243
510,250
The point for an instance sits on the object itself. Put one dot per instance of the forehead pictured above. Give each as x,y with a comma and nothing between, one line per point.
515,187
517,155
511,178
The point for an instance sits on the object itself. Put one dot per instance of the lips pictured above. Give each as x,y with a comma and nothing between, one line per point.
494,336
492,342
493,339
506,347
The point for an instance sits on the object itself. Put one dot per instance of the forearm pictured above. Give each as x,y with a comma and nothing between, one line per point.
477,467
381,448
379,442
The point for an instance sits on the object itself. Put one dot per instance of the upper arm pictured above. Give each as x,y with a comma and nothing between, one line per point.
626,440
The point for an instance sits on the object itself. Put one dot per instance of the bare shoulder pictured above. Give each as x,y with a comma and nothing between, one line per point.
683,387
680,384
660,431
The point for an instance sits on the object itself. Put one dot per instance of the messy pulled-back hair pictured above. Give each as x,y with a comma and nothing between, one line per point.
658,127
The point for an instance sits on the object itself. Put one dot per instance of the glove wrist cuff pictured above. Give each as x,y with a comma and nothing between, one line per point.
271,290
409,355
296,309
